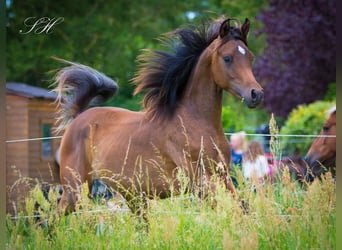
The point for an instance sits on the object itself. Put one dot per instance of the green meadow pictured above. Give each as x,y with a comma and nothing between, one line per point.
275,215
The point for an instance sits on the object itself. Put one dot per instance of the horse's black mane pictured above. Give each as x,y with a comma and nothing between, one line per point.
165,74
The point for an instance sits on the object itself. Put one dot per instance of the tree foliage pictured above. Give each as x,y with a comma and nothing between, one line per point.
300,57
106,35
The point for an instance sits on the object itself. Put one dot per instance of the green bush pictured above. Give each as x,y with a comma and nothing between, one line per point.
303,120
236,116
231,120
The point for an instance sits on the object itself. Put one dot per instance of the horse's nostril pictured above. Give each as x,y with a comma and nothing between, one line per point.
253,94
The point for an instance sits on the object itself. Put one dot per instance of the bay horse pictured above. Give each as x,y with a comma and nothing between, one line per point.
321,156
298,168
140,153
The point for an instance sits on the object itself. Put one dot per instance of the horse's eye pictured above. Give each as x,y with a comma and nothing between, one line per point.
227,59
325,128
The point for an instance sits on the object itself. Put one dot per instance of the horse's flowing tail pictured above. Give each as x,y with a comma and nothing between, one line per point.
77,87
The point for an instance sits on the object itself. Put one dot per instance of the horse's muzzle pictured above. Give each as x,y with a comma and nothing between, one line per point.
256,97
315,168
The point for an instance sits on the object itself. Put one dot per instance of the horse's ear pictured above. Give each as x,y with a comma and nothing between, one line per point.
245,28
224,29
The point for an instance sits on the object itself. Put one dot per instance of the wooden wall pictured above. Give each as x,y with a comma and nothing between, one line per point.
16,128
24,162
40,167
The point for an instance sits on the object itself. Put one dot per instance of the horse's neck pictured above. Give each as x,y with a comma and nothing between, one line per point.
203,98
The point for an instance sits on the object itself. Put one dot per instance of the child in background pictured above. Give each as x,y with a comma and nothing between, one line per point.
254,162
238,142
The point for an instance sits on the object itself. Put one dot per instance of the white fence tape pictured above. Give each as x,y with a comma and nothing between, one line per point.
278,135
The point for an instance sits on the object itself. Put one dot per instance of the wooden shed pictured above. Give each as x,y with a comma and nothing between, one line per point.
30,116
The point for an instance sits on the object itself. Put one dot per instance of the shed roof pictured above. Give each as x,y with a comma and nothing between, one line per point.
29,91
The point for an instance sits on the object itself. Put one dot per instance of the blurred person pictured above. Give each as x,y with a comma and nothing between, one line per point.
254,162
238,142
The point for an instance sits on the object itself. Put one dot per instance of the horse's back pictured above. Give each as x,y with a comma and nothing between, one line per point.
107,135
109,114
102,125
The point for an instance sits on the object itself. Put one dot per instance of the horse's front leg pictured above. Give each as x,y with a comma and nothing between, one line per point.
229,184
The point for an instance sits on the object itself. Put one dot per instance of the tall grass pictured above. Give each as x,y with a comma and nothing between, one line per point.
280,215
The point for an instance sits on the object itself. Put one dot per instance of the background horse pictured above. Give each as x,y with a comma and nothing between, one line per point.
321,156
140,153
298,168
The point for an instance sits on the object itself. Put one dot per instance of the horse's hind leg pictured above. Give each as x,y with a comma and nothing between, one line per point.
67,203
76,157
73,174
71,190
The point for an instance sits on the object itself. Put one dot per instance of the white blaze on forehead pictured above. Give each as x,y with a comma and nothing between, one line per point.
241,50
330,111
